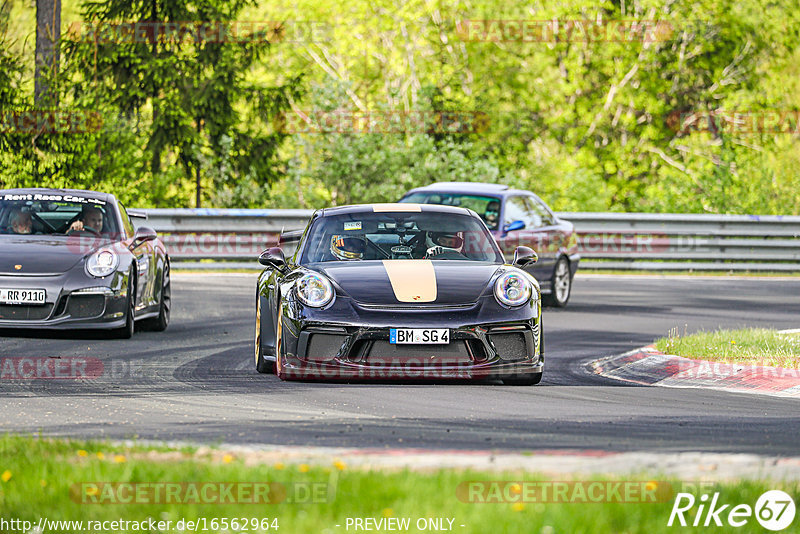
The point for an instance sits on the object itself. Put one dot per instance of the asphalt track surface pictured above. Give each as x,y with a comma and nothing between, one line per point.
196,381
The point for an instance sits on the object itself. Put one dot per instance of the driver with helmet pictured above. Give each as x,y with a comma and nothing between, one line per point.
348,247
441,243
492,214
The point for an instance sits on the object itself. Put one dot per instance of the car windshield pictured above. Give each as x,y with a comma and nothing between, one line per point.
486,206
55,214
399,235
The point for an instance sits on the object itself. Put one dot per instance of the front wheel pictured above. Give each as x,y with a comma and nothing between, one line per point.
263,366
562,285
126,332
161,321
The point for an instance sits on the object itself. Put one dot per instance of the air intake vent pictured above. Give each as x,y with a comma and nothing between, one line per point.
387,354
511,346
85,306
24,313
324,347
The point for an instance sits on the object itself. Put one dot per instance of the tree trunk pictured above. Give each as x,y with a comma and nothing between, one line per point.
199,189
48,34
155,160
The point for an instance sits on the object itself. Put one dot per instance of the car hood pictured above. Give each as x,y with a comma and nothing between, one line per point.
38,254
442,282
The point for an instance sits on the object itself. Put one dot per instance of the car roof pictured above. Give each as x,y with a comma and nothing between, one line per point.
23,190
500,190
393,208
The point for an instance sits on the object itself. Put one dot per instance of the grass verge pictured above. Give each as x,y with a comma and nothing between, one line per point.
759,346
59,480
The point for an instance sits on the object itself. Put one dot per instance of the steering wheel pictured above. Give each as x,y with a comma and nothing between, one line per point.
85,229
439,252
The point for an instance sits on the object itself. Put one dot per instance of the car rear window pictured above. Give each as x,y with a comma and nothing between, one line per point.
488,207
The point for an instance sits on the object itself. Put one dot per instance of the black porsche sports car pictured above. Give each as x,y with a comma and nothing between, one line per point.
72,259
398,291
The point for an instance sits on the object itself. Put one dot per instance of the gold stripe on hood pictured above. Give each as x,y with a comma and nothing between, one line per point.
378,208
412,280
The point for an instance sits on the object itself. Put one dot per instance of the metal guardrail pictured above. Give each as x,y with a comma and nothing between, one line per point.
630,241
650,241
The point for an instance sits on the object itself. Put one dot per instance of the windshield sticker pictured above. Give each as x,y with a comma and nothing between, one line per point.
54,198
353,225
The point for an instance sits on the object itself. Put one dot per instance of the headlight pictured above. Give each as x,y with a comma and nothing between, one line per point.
102,263
314,290
512,289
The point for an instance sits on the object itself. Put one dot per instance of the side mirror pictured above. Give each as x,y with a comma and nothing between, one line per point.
516,225
143,234
524,256
273,257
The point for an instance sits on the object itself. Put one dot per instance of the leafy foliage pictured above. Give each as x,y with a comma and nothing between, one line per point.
588,123
175,111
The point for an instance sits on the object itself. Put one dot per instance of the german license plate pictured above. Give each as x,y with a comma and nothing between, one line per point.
22,296
419,336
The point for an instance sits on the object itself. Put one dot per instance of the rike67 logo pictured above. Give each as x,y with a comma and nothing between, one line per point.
774,510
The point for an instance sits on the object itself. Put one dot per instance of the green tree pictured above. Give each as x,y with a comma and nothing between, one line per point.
192,98
571,116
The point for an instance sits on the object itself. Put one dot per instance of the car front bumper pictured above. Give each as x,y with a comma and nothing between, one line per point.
319,351
70,302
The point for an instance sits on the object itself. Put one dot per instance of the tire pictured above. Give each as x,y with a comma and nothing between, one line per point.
524,380
263,366
562,285
161,322
126,332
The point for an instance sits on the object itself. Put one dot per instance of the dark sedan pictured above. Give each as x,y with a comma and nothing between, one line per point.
72,259
516,218
398,291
